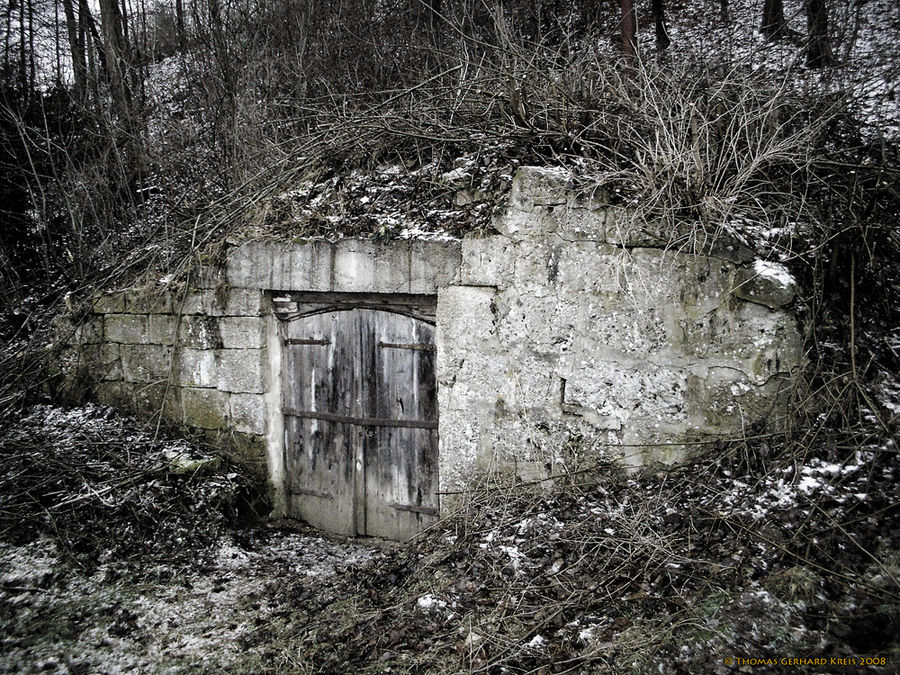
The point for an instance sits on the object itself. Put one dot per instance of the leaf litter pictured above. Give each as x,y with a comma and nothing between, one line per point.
111,561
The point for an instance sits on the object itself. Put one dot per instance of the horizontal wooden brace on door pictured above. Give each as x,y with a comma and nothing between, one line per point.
306,341
427,510
309,493
419,347
360,421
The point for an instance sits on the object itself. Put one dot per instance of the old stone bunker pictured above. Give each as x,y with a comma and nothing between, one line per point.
374,381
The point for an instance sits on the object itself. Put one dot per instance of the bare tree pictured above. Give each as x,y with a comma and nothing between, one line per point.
76,37
629,30
116,60
659,20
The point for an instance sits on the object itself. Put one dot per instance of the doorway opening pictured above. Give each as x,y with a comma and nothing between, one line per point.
359,400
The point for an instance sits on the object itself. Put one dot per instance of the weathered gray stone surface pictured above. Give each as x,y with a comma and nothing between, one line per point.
204,408
126,328
199,332
242,332
243,370
145,363
197,368
247,413
346,266
576,322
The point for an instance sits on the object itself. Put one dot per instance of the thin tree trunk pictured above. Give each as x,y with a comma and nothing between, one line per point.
57,46
92,46
773,25
179,24
629,31
75,34
32,70
659,19
818,46
6,47
23,61
116,59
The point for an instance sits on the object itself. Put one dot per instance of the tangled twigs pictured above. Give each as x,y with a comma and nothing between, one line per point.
670,567
105,487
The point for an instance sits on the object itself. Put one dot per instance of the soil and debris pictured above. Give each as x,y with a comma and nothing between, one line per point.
760,549
122,550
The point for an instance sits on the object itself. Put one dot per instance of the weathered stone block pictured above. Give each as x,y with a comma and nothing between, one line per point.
154,399
110,362
199,332
729,401
75,362
591,267
540,186
247,413
243,302
204,408
620,392
466,320
115,394
89,331
236,302
149,300
487,261
537,264
161,329
145,363
303,266
208,277
579,224
626,228
635,332
240,332
367,266
112,303
529,320
433,265
198,302
767,283
250,265
125,328
197,368
243,370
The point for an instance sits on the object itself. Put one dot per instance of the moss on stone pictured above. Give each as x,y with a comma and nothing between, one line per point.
204,408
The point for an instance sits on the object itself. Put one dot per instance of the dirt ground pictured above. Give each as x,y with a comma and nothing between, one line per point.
58,618
762,553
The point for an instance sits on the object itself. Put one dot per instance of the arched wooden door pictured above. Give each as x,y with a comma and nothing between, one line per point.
360,411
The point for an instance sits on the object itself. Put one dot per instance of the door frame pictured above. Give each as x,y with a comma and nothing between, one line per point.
289,306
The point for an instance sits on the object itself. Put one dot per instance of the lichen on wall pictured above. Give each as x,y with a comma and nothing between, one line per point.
575,322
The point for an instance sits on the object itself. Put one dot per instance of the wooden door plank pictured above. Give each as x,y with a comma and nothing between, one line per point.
319,456
401,462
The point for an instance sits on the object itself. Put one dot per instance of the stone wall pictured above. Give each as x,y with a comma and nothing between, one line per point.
193,356
574,332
